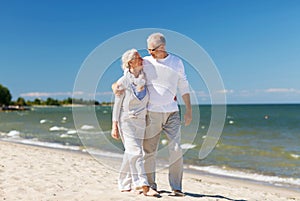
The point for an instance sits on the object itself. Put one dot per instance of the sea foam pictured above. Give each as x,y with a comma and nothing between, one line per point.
13,134
296,156
87,127
276,180
187,146
56,128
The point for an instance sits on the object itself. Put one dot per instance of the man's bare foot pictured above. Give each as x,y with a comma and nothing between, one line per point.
177,193
147,191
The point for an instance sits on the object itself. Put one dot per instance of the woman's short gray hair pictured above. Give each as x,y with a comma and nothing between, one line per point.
128,56
156,39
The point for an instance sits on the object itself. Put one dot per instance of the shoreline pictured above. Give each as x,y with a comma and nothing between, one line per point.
40,173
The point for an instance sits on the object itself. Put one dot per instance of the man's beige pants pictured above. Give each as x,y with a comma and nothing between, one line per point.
170,124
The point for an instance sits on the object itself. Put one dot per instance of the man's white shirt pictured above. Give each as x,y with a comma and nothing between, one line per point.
164,77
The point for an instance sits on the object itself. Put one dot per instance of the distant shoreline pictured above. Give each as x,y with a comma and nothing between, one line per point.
14,108
23,108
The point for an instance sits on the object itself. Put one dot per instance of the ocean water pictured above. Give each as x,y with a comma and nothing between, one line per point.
258,142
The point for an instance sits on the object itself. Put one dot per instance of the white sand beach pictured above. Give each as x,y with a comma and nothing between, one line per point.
37,173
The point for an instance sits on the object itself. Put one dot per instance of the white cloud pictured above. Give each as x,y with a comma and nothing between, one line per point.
245,93
76,94
282,90
226,91
201,94
50,94
105,93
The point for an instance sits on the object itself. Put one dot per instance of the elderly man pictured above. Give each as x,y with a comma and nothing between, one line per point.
165,75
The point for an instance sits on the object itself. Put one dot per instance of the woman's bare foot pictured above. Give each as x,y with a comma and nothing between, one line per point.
126,191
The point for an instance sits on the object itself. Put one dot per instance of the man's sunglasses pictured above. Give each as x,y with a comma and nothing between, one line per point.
152,50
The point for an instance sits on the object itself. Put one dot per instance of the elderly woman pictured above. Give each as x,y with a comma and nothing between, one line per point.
129,123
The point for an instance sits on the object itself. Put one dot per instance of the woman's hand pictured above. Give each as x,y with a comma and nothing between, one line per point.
115,131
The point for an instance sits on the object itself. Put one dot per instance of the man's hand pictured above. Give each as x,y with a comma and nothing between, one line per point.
188,117
188,112
117,89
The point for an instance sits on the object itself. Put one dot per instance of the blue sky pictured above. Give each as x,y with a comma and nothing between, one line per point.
254,44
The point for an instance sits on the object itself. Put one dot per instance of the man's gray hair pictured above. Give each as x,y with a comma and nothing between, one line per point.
128,56
156,39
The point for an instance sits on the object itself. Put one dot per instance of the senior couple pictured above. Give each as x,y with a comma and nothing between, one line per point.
145,104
